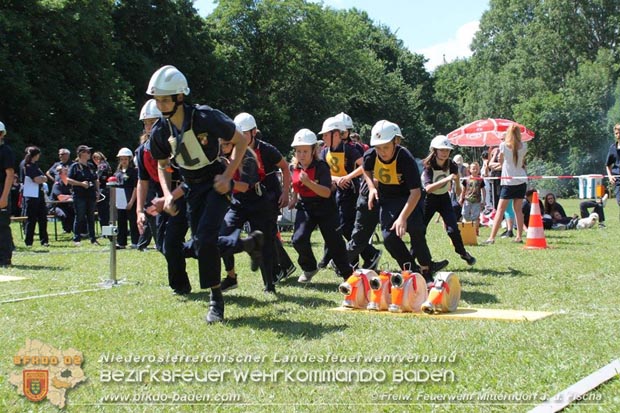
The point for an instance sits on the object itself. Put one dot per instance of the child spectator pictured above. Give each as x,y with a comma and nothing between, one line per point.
472,196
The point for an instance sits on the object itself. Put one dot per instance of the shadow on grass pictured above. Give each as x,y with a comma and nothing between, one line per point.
32,267
318,286
476,297
472,283
511,272
249,301
287,327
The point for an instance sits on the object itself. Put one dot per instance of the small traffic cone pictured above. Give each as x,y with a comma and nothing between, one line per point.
535,231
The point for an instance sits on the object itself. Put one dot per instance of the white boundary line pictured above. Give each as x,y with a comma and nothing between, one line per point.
15,300
577,390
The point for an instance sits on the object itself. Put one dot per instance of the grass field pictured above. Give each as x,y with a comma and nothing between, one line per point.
483,365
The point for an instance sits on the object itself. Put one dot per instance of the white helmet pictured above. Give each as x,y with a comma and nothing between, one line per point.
245,122
440,142
2,128
149,110
333,123
304,137
383,132
125,152
346,119
167,80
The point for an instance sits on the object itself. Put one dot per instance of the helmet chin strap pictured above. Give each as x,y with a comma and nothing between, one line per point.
174,110
252,140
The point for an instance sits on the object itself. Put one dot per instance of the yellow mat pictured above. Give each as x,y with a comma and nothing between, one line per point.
467,313
10,278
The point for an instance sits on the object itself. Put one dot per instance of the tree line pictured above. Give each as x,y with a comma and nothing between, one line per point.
75,71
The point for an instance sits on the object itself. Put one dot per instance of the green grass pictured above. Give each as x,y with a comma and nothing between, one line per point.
576,278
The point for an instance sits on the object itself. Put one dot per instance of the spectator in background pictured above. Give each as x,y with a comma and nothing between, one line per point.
15,196
127,178
103,171
34,208
511,160
83,178
612,165
355,137
597,206
484,172
7,172
62,198
63,160
554,211
527,208
472,195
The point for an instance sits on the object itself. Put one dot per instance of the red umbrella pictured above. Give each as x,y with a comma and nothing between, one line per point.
486,132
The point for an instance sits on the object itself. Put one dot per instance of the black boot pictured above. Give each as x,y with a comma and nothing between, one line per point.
253,245
216,307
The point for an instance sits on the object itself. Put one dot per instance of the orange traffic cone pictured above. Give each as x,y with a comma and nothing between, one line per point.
535,231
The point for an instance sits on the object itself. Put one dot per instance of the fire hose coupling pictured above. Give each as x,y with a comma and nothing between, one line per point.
379,292
445,295
356,289
408,292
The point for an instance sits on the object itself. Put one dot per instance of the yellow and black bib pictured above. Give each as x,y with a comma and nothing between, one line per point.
336,162
386,174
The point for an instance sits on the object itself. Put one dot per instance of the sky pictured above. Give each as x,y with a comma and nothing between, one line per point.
437,29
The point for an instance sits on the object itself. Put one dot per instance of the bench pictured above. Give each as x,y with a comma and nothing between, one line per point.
22,222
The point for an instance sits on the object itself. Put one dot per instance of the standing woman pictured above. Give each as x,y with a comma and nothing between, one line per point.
315,206
104,171
512,160
85,184
440,172
127,178
34,207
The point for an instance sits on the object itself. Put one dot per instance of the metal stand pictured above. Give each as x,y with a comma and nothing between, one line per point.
111,231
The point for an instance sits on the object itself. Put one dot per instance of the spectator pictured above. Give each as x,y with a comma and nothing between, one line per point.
598,206
512,162
63,160
613,164
34,208
103,171
127,176
554,211
83,178
527,208
62,198
472,196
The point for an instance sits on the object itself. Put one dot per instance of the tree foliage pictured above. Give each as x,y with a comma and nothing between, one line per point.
551,65
75,71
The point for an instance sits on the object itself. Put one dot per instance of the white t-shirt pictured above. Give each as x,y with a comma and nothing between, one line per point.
509,168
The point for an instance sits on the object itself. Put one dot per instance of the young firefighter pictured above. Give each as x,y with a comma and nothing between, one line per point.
171,229
315,207
189,135
398,196
439,173
270,160
7,173
344,158
248,204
